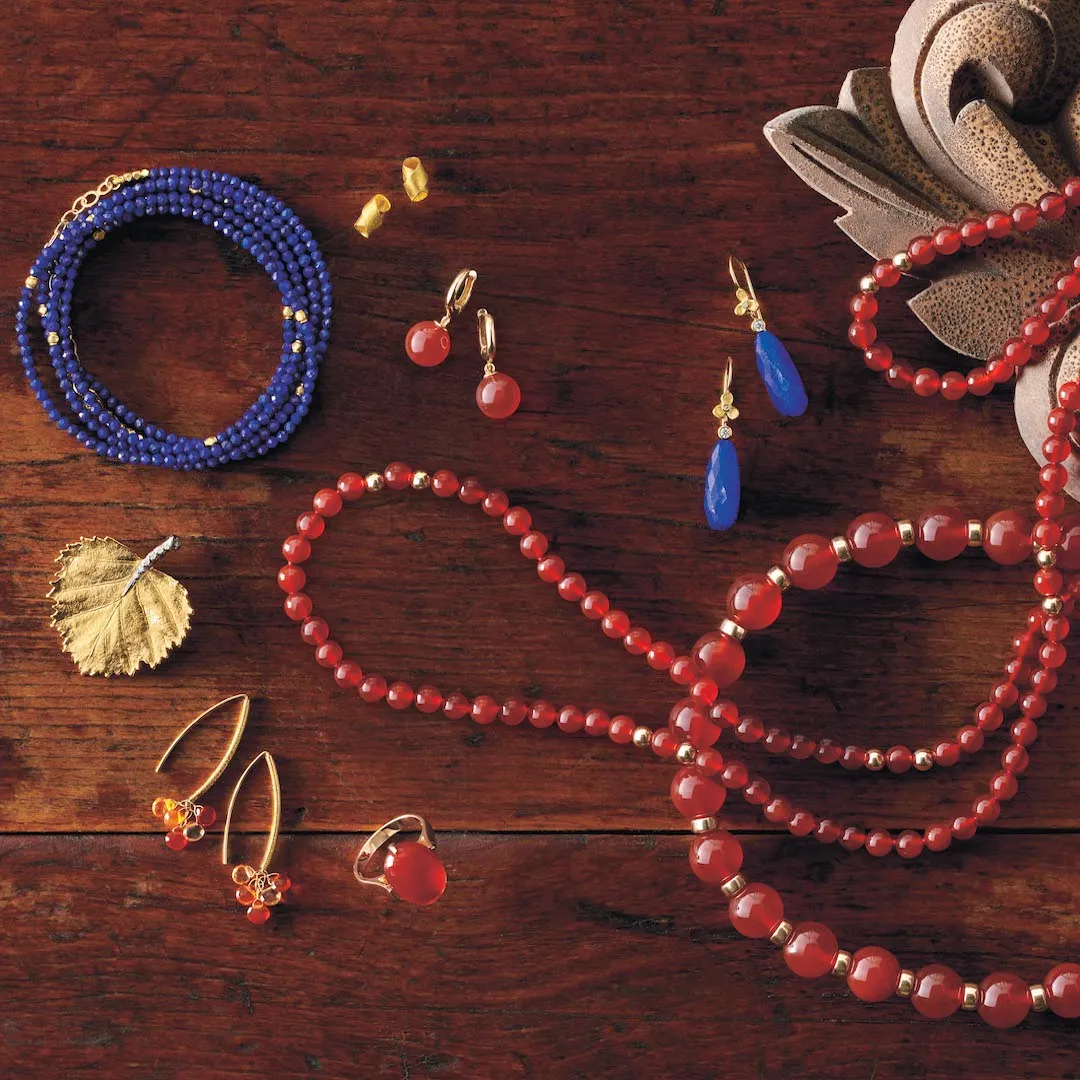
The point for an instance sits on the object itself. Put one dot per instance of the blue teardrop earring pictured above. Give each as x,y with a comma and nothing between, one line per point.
722,484
774,363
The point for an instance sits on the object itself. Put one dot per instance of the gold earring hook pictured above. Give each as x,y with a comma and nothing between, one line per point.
275,810
485,329
230,750
745,294
457,296
725,385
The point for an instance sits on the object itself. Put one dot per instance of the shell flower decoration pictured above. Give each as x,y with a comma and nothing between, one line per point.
185,821
979,110
258,891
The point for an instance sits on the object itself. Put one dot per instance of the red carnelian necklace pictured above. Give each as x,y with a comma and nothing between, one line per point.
699,718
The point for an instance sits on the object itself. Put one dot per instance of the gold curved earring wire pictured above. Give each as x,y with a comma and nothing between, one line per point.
275,811
230,750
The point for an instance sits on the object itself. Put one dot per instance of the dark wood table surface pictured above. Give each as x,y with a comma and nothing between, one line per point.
595,162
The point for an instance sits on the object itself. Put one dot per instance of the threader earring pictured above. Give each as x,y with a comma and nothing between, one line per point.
257,889
498,394
411,870
722,484
186,820
428,343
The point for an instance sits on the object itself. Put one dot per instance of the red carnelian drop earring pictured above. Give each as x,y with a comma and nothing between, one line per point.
411,870
498,394
428,343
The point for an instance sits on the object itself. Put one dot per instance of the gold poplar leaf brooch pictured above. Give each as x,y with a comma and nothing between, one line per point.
113,610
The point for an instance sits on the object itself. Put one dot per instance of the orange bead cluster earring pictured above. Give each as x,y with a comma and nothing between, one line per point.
187,819
257,888
427,343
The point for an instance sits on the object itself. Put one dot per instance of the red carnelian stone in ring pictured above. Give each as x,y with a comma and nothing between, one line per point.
874,539
810,561
720,657
874,974
811,950
754,602
937,991
427,344
414,872
1062,985
941,533
756,911
715,856
1003,999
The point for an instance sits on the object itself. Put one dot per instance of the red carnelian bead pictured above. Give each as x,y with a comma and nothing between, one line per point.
314,631
937,837
909,845
1000,370
298,606
756,911
1052,206
801,748
660,654
947,240
720,657
777,810
372,689
542,714
810,561
328,654
1056,448
291,578
1015,759
937,991
801,823
348,674
445,484
754,601
776,741
664,744
513,712
351,486
953,386
550,569
946,754
874,539
1071,190
1056,628
852,838
710,762
398,475
899,376
853,757
1007,537
244,896
517,521
429,699
1069,285
258,913
695,795
1003,786
495,503
1025,731
471,491
704,692
498,396
862,334
941,533
595,605
970,739
878,357
684,671
1004,694
427,344
1043,681
827,831
636,641
1061,421
310,525
1069,395
986,809
1062,985
1033,705
1048,582
1025,217
533,545
757,792
885,273
597,722
296,549
570,719
725,713
484,709
327,502
414,872
735,775
400,695
615,624
621,730
811,950
571,587
175,841
749,729
1003,999
1034,331
1052,308
1050,504
715,856
863,306
828,752
898,759
1052,655
457,706
999,225
927,382
879,842
921,251
979,383
973,232
874,974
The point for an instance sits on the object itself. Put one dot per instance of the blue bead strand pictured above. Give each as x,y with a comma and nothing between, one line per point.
261,225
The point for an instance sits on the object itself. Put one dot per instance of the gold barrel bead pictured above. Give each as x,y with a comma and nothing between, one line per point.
782,933
907,532
732,629
421,480
868,284
375,481
1053,605
31,282
1045,558
842,548
923,759
643,736
842,964
301,316
1037,993
905,984
287,312
875,760
53,338
686,753
702,824
970,1000
297,346
902,261
975,533
733,886
779,578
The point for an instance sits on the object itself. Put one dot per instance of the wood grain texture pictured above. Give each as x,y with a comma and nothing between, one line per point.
594,162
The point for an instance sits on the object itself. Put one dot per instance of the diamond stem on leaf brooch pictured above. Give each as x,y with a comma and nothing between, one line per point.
774,363
722,486
186,820
411,870
257,889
